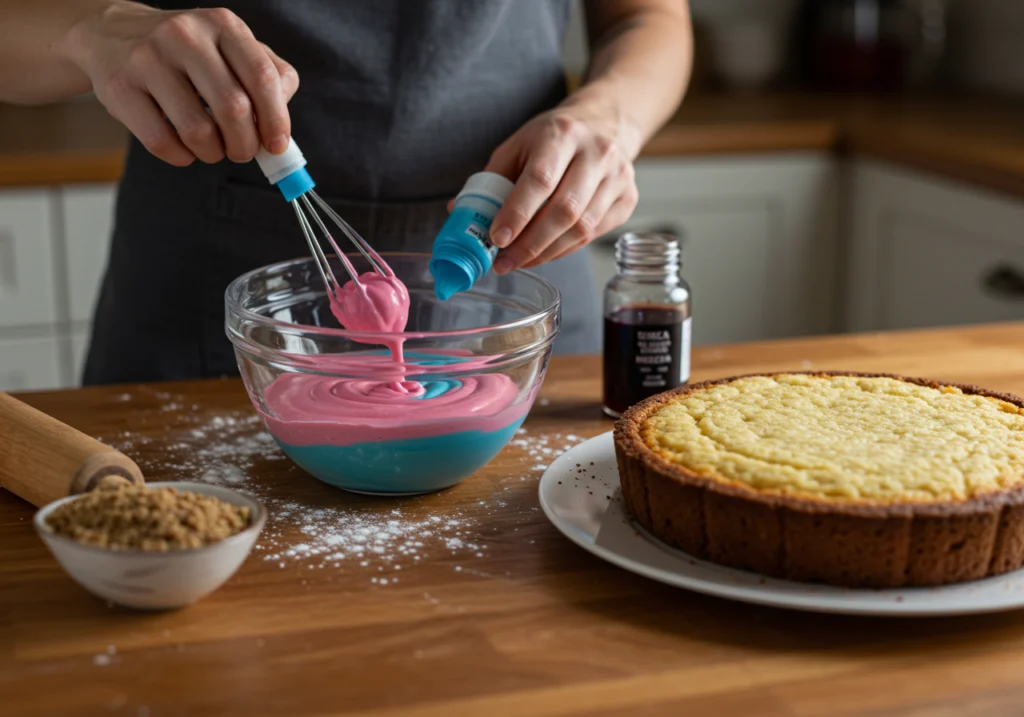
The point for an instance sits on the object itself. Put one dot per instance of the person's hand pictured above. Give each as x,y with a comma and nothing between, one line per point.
151,67
574,182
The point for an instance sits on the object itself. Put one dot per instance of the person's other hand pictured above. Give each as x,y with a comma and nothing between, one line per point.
150,68
573,182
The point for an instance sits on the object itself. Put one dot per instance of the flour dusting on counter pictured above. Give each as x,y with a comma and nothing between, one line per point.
332,536
227,449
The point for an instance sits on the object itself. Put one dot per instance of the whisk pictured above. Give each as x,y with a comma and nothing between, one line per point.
287,171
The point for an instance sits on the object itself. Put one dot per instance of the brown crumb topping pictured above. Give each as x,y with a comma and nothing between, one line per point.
120,515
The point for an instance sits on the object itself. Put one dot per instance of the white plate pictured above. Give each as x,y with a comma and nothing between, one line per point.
580,494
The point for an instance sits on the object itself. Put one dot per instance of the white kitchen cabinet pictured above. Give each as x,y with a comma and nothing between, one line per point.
30,363
758,240
79,346
53,250
88,213
926,251
27,282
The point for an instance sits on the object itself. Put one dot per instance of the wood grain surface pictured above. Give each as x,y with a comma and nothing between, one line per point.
66,143
531,626
973,139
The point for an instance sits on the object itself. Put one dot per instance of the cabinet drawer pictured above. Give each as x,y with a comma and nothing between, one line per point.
27,364
88,221
758,241
26,259
927,251
935,275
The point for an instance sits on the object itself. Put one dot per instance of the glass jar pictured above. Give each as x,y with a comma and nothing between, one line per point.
646,321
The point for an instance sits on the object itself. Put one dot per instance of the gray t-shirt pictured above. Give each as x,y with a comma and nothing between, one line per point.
404,99
400,101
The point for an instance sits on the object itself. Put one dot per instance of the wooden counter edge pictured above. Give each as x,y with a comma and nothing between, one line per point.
60,168
975,165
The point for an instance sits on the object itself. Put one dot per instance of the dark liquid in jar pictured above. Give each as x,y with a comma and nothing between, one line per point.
643,348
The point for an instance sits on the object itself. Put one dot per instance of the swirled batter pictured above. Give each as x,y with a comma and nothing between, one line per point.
323,410
397,429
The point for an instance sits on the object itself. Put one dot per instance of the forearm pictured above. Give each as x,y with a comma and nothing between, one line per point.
36,64
642,53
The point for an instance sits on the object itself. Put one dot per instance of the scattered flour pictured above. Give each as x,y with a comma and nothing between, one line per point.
543,447
221,449
369,538
102,659
224,475
227,449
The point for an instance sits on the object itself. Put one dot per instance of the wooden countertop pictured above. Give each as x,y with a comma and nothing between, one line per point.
976,140
971,139
65,143
516,620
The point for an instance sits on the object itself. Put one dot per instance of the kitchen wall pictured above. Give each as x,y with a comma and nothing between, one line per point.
774,16
984,40
987,45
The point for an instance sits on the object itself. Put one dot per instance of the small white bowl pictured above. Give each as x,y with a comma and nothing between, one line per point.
152,580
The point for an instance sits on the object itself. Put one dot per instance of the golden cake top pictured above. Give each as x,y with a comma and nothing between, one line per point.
880,440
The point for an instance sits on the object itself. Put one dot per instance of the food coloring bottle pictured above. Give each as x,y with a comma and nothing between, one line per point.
646,322
463,252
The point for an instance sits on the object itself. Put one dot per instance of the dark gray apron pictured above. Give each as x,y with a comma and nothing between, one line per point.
399,103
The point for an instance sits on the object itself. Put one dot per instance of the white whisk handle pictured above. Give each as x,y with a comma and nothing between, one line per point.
278,166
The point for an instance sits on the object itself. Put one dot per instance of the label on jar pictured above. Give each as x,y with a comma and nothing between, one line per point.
684,354
646,351
475,223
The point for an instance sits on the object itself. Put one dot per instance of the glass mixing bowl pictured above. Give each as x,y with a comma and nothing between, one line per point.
343,409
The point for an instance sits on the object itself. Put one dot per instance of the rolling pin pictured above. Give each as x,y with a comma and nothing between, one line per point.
42,459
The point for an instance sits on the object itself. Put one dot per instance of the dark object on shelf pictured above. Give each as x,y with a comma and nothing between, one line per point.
1004,282
870,45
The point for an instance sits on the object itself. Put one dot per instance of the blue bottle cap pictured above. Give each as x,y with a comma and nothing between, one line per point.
457,263
296,184
450,277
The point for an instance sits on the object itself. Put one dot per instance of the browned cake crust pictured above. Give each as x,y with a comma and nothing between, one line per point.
817,540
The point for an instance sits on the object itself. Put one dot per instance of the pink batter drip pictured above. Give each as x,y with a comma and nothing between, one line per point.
319,410
309,409
377,303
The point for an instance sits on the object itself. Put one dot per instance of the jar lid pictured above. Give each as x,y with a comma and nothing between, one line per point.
647,251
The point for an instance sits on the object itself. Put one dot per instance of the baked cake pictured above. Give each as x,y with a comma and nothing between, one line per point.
861,480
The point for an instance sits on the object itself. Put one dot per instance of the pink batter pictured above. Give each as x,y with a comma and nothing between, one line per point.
377,303
320,410
311,409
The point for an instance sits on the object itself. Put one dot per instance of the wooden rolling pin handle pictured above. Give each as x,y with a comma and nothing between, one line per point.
42,459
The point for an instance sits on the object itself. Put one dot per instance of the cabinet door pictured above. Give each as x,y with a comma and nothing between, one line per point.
88,221
26,259
758,241
30,363
929,252
79,347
